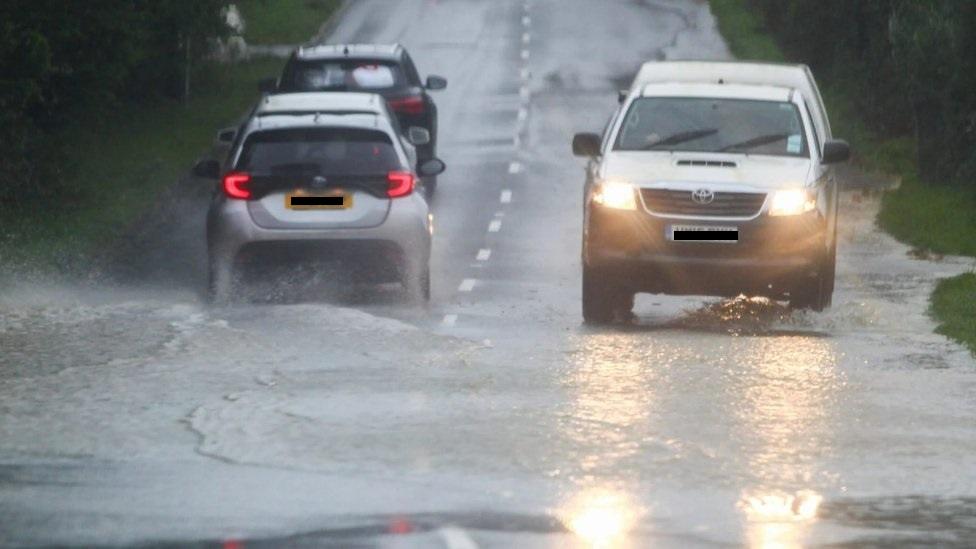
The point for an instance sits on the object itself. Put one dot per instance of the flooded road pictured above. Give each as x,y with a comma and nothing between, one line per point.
133,412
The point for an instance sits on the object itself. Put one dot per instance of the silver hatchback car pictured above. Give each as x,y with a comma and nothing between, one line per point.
320,177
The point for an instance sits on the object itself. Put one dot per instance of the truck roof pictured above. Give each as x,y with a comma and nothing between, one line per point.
724,91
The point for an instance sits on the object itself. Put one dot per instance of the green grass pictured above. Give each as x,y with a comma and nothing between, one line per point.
120,162
117,163
954,304
744,32
939,219
284,21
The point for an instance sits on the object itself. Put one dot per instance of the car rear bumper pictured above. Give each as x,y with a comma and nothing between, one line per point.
772,255
233,235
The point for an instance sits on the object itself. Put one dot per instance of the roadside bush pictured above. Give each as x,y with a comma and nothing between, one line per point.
910,65
67,61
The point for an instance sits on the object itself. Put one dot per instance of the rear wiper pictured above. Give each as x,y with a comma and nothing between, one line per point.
756,141
681,137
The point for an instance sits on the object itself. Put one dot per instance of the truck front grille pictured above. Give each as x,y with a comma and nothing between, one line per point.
724,204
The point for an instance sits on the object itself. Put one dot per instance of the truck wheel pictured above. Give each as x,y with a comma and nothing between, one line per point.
603,298
816,293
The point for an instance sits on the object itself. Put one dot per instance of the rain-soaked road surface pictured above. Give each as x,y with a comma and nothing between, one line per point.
131,412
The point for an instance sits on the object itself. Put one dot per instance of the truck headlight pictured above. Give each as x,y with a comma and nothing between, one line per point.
616,194
793,202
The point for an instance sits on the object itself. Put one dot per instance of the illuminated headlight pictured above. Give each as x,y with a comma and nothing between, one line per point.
792,202
615,194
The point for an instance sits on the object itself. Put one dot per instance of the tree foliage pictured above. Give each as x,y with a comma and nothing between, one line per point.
910,64
59,59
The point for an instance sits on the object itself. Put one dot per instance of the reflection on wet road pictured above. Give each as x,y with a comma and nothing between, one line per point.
494,417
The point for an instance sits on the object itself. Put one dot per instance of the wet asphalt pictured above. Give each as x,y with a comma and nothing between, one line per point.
130,412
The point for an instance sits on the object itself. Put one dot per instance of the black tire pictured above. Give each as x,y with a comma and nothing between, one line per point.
430,185
603,298
816,292
221,280
418,285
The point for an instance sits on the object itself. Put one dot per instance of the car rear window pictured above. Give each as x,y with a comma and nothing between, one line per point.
318,151
345,75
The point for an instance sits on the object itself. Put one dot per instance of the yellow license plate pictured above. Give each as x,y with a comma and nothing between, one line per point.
305,200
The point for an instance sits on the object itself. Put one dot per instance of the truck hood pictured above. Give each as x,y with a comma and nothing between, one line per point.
652,168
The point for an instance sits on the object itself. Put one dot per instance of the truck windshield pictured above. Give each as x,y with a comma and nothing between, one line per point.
694,124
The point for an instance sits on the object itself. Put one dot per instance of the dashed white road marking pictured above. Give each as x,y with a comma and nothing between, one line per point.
495,226
526,38
484,254
526,20
524,93
525,73
467,285
455,538
449,320
506,196
514,168
525,54
523,113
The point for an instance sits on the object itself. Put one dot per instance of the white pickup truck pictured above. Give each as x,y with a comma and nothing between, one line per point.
711,178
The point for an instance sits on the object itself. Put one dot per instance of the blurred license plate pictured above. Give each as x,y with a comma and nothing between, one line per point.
703,233
335,200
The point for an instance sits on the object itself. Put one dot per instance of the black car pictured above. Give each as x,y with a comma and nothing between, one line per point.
384,69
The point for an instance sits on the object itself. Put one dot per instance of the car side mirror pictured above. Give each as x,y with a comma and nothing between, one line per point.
268,85
207,169
226,135
836,151
586,144
436,82
432,167
622,96
418,136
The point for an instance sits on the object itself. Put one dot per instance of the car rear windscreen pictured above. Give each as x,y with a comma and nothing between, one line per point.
319,151
695,124
345,75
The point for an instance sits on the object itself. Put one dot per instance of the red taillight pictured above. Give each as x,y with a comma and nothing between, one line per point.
408,105
235,185
401,184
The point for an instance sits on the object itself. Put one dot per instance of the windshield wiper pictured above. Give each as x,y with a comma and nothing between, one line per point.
681,137
756,141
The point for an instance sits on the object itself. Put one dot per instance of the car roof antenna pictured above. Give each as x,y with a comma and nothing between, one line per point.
345,51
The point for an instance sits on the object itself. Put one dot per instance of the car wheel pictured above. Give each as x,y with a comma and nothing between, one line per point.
430,185
417,284
221,278
603,298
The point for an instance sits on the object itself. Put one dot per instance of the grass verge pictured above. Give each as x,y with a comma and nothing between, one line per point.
934,218
954,303
120,161
284,21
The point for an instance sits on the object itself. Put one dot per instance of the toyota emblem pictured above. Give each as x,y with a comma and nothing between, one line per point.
702,196
319,182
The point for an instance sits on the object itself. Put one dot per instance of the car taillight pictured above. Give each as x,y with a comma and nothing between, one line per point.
235,185
400,184
408,105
